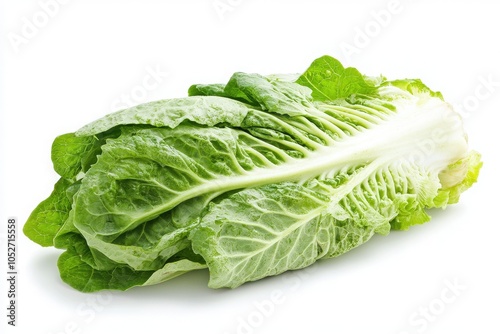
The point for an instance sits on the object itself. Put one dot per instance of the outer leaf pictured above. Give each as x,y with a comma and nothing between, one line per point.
329,80
265,231
457,178
209,110
172,270
69,152
274,95
262,232
48,217
83,277
207,90
415,87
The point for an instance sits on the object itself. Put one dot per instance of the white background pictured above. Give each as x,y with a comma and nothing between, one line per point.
81,61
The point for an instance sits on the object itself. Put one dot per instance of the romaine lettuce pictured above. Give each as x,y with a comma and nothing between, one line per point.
250,179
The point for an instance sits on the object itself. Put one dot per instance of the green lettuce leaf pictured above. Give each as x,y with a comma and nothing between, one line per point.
329,80
48,217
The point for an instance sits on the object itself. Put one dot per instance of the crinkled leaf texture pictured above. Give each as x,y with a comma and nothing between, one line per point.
250,179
